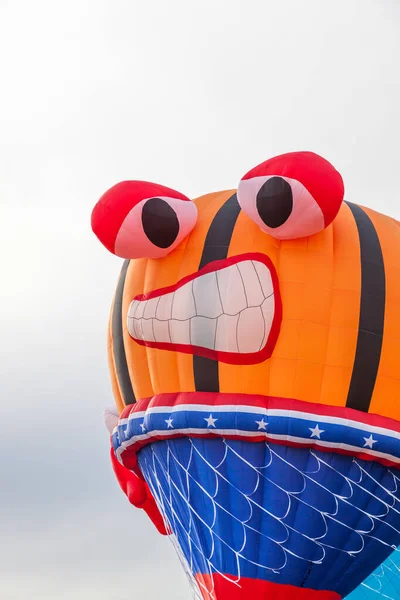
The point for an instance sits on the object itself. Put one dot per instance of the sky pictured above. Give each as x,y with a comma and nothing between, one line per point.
190,94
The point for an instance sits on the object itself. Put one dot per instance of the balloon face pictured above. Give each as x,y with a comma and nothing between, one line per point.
255,368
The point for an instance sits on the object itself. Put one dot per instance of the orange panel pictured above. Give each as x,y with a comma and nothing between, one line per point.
313,342
308,381
335,385
318,286
347,318
292,293
386,397
293,261
387,388
282,377
344,309
341,348
288,342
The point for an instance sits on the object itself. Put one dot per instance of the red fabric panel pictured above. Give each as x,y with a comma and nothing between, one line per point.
223,589
138,492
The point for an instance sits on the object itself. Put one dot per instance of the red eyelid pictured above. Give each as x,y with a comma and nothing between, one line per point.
117,202
316,174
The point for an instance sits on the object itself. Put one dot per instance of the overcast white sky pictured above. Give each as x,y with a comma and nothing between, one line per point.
191,94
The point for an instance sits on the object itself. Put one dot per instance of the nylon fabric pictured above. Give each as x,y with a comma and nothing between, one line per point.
274,513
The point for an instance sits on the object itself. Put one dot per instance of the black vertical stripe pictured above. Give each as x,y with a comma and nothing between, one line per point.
216,247
372,313
121,365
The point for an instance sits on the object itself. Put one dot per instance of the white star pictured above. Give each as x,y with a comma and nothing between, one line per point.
143,427
262,424
316,431
210,421
369,441
169,423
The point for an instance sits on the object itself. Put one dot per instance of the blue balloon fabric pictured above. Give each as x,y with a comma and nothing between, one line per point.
273,512
383,583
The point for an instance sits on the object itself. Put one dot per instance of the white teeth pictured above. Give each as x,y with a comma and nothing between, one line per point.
164,308
265,278
161,331
268,311
147,330
150,308
226,336
230,310
133,308
140,310
202,332
131,327
251,283
231,290
180,331
183,306
206,295
139,328
250,330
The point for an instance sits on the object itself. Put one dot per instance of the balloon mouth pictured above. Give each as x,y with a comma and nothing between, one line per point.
228,311
255,418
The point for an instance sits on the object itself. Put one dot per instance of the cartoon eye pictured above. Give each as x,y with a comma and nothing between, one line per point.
137,219
292,195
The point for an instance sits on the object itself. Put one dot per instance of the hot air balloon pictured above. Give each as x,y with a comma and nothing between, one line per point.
253,350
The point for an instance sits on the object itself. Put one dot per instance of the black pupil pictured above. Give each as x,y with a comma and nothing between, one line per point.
160,222
275,202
